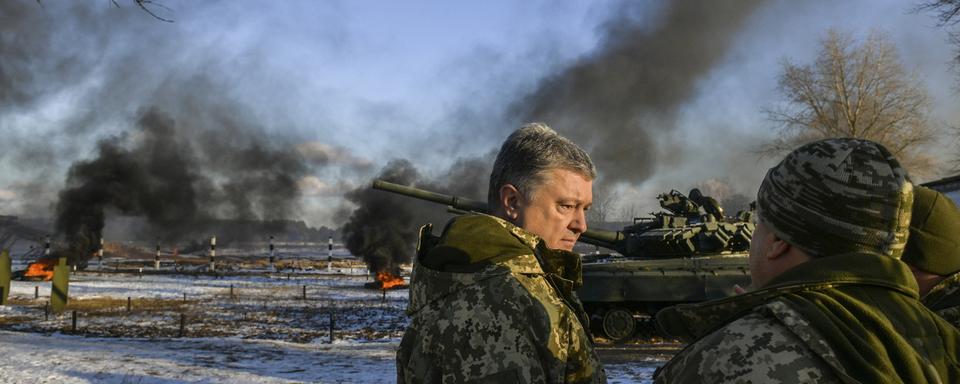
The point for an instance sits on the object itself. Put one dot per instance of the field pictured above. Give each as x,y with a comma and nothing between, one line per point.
251,324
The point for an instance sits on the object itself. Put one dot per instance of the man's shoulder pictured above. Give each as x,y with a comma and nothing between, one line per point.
945,294
757,347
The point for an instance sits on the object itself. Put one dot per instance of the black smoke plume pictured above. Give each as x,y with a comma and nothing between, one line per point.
616,100
179,142
183,179
383,227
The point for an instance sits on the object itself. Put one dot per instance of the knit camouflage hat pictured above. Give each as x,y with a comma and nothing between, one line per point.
934,244
838,196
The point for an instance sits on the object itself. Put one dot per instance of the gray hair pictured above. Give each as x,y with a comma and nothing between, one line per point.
528,154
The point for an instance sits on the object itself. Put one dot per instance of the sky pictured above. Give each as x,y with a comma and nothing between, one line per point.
344,87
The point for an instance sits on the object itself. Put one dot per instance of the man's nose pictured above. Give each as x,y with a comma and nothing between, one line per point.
579,223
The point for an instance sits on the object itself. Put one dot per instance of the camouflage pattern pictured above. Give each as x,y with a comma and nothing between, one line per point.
859,181
944,299
510,322
852,318
755,348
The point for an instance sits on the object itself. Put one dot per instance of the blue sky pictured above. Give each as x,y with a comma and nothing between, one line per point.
423,80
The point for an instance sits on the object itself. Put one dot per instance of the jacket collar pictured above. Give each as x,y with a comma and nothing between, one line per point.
692,321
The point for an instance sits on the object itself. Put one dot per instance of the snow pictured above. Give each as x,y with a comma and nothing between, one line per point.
264,333
58,358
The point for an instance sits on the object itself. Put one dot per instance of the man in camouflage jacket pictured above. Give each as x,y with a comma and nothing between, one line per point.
833,304
491,300
509,321
933,252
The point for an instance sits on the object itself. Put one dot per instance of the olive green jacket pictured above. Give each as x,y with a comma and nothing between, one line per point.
489,303
944,299
853,318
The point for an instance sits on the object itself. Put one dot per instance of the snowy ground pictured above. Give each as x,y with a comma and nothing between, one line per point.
265,332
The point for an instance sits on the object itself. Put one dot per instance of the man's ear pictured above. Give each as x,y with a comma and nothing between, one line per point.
510,201
778,248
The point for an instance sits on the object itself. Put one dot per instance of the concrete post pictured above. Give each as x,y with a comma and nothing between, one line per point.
213,253
100,254
330,254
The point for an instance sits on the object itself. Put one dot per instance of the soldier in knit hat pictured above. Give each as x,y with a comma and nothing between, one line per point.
832,302
933,252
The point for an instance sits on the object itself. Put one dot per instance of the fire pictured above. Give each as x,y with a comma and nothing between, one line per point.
388,280
41,269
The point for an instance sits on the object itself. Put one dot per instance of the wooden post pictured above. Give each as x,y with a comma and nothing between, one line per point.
74,327
331,328
184,297
46,311
304,292
231,291
36,291
384,299
129,303
183,323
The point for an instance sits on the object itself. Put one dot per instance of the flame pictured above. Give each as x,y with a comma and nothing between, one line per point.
41,269
388,280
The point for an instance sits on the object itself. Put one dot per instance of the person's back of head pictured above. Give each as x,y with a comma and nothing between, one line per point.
838,196
933,249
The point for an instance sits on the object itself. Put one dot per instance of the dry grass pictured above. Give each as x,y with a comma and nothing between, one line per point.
8,320
110,306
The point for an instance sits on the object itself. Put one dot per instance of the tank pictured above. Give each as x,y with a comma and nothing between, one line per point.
688,252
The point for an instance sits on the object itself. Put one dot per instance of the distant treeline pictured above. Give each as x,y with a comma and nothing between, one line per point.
227,231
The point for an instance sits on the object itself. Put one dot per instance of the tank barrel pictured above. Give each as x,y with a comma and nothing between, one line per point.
439,198
458,205
607,239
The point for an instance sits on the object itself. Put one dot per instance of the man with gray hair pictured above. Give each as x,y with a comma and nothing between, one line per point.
833,302
491,299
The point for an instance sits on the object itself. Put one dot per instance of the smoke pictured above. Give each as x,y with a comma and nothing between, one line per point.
616,101
612,102
382,228
24,76
178,135
181,178
723,191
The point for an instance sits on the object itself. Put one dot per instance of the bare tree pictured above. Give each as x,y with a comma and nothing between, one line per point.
605,198
948,15
144,5
721,189
859,90
630,212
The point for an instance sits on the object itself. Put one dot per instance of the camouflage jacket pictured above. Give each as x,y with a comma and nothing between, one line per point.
852,318
506,321
944,299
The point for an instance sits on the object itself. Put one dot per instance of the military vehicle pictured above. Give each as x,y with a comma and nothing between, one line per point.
689,252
